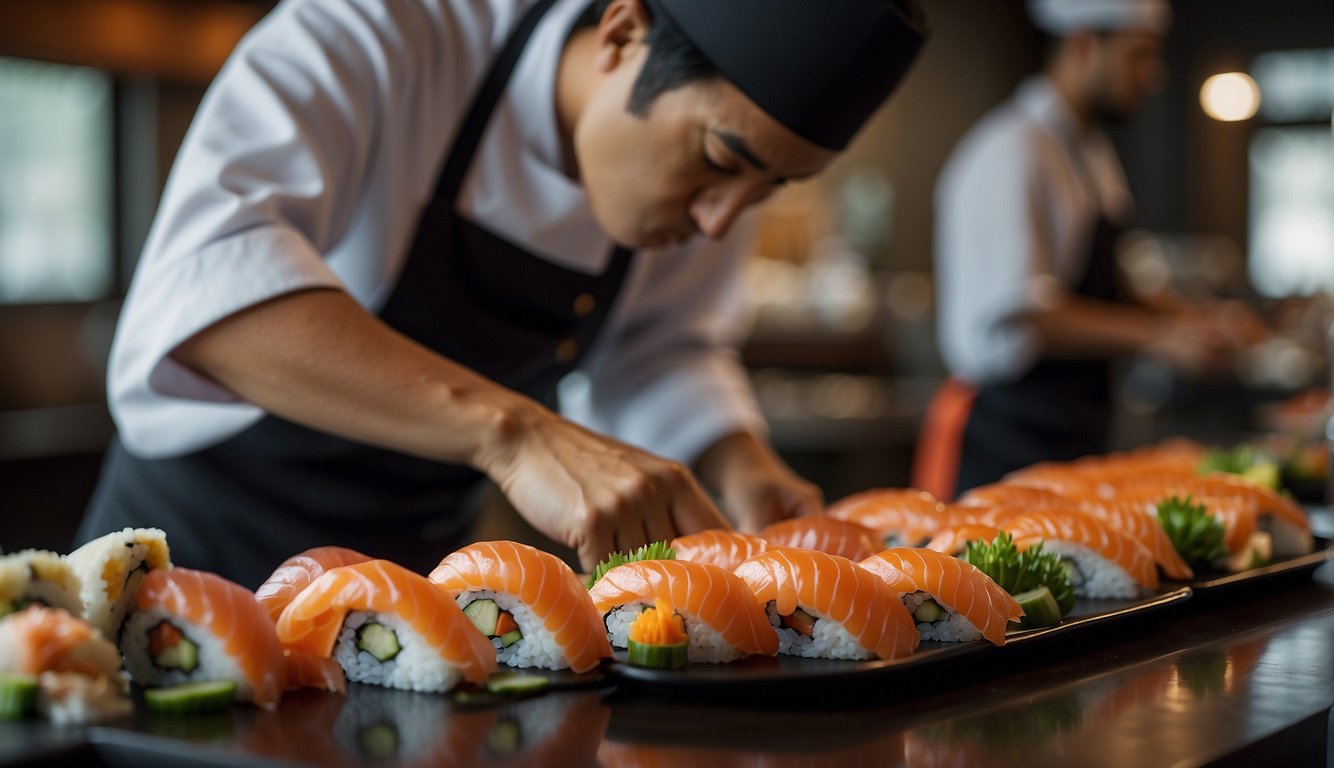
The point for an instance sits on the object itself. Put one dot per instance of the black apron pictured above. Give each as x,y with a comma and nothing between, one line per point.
241,507
1061,409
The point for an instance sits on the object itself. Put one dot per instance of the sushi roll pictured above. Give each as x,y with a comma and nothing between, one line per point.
723,621
109,570
196,627
306,670
949,599
823,534
825,606
1143,526
1008,495
899,516
530,606
57,663
1101,562
388,626
37,576
725,549
954,539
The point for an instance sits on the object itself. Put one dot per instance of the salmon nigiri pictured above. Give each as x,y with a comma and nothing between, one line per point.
954,539
725,549
1134,519
1281,517
389,626
960,589
723,621
823,534
1007,495
192,626
828,606
897,515
1103,562
531,606
306,670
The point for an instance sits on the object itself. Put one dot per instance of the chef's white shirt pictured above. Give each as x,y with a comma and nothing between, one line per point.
310,158
1015,210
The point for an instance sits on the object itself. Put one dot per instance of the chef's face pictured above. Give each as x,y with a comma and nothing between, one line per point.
1127,67
701,154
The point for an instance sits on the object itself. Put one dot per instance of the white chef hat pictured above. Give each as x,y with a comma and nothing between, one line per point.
1061,17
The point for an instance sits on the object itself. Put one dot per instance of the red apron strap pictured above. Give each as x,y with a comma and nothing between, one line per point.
940,444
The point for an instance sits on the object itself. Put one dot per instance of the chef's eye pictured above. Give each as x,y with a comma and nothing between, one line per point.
712,158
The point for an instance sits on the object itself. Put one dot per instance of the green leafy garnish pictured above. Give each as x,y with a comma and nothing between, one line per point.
1245,460
658,550
1018,572
1195,534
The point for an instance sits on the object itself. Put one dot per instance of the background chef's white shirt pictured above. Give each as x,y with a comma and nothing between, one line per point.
1014,219
310,159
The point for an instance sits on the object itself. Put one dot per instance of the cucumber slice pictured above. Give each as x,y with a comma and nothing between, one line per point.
378,640
1040,608
191,698
928,612
183,656
657,656
484,614
378,741
510,638
18,695
517,684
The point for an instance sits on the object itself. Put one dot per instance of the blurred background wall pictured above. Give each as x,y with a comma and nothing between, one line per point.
842,348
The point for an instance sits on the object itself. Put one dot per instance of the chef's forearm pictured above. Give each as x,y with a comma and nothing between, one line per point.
319,359
1088,328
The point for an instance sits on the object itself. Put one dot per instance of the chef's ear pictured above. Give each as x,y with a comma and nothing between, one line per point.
624,24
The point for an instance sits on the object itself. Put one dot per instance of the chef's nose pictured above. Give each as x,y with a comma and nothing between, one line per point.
715,208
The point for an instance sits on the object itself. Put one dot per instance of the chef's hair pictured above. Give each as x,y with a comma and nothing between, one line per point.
673,60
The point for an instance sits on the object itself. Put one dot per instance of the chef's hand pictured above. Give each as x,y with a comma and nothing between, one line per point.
1191,341
594,494
756,487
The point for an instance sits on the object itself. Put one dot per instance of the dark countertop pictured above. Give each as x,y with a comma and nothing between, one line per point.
1242,677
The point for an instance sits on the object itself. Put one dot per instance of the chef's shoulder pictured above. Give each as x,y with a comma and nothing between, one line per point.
456,36
998,152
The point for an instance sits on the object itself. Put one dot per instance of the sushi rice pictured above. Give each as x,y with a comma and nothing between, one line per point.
952,628
706,645
828,640
1100,577
109,570
537,648
214,662
416,667
38,576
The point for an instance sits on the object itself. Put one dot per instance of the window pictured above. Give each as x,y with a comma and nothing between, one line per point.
1292,174
56,236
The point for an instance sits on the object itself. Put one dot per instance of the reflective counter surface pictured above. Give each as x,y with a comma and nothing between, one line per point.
1242,678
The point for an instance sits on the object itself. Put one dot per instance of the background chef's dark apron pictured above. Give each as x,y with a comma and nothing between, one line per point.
1059,410
241,507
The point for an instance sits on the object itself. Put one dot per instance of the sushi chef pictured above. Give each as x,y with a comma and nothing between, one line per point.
398,233
1029,208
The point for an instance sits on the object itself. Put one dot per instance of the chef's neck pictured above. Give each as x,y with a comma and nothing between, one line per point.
1071,86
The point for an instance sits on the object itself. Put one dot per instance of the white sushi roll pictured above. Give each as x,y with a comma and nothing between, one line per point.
109,570
383,649
1093,575
704,644
534,646
38,576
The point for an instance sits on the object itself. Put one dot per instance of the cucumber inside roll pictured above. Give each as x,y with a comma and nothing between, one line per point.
928,612
484,614
18,695
171,649
1072,572
378,640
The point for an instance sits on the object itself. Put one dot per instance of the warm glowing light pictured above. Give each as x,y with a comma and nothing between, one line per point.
1230,97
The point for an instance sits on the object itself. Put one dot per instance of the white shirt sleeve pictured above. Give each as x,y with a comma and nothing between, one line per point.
993,259
265,185
666,376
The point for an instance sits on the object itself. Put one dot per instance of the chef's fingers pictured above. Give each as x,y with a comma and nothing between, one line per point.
658,523
692,511
594,547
